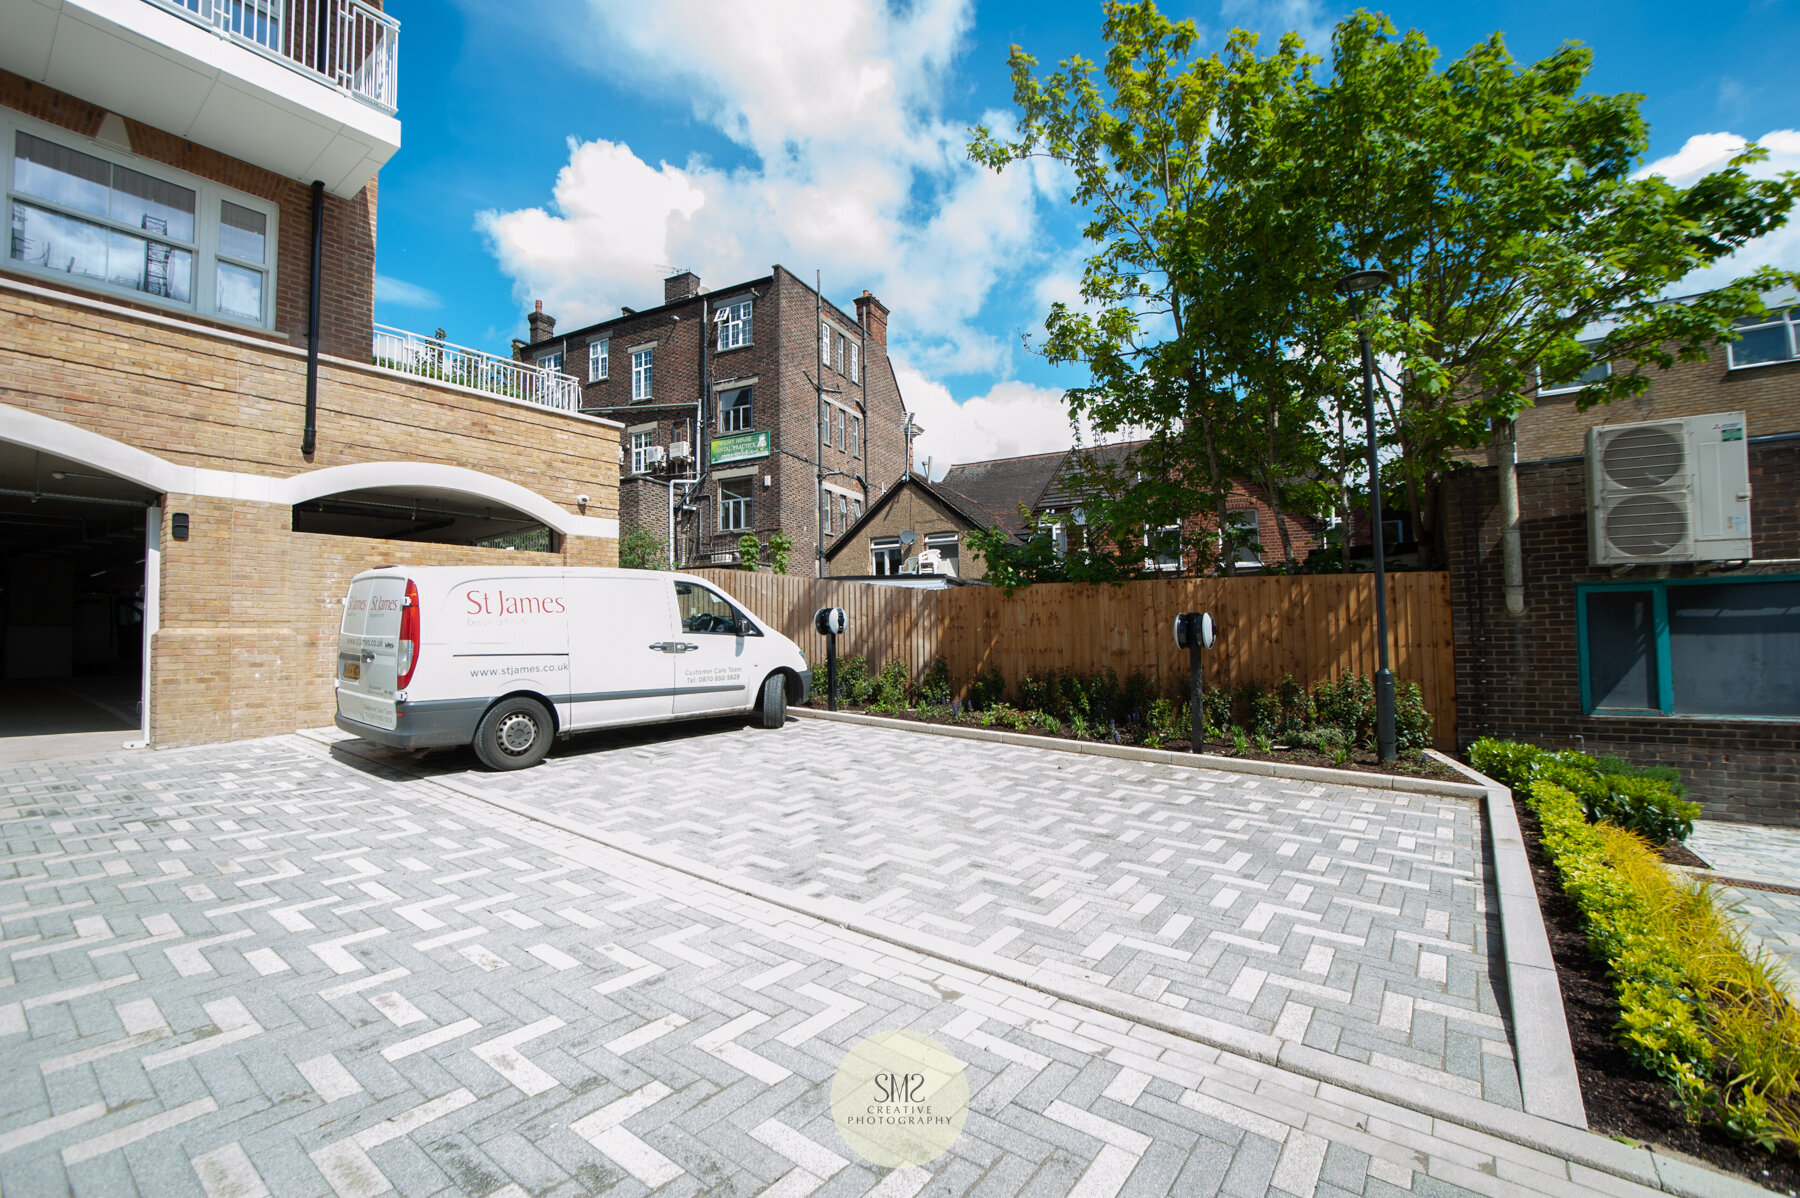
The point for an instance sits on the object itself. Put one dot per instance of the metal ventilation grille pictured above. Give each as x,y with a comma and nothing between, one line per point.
1647,525
1639,459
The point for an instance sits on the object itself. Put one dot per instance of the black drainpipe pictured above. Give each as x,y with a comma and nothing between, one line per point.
310,438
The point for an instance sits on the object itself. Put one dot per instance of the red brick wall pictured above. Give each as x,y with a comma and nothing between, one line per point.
348,288
1519,677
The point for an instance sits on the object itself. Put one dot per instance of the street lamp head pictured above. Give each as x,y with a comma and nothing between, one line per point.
1364,282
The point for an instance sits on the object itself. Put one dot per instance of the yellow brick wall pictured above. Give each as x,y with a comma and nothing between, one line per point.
249,609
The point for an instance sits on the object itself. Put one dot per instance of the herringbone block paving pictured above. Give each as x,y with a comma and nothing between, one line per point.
1354,920
262,969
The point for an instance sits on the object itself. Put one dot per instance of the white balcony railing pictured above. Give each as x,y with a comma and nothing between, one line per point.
434,358
347,43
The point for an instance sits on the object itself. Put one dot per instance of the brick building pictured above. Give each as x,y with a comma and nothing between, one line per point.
1695,664
1038,493
731,400
199,440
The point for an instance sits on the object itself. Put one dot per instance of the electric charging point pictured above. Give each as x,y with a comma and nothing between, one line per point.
1194,632
829,622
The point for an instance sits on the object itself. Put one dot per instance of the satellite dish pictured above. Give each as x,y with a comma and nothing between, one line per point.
909,537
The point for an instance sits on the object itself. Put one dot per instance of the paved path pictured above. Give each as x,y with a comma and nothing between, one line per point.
258,969
1755,851
1352,920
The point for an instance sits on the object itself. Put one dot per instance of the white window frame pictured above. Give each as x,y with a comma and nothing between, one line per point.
855,362
643,369
743,423
855,436
1577,383
824,422
599,359
825,343
642,441
1153,559
737,513
1790,317
552,361
879,550
1253,560
208,220
734,330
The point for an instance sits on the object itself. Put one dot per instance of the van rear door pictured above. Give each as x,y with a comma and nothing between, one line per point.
368,649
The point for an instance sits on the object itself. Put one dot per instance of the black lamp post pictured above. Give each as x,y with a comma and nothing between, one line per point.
1357,286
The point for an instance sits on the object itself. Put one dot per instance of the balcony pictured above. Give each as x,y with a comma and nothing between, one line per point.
435,358
305,88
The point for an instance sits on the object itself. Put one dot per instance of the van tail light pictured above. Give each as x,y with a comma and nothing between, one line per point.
409,637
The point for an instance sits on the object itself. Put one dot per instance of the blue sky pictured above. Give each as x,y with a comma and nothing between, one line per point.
576,154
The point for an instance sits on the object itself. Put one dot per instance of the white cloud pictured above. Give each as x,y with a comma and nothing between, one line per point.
852,167
1705,152
1272,18
401,294
1011,419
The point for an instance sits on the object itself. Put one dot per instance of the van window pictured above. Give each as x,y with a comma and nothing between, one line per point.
373,608
703,610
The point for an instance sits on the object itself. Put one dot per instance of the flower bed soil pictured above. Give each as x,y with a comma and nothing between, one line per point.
1623,1099
1361,760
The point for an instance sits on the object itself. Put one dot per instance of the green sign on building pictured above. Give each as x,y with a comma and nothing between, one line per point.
740,447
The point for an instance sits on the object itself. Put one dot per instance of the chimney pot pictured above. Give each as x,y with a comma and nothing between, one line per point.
683,284
542,325
872,314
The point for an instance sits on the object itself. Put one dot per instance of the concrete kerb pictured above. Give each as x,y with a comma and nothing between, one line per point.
1571,1143
1544,1058
1548,1081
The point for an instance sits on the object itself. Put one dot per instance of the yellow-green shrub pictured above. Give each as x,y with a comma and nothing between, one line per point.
1694,1008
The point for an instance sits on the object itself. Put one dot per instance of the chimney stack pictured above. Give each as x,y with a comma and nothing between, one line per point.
542,327
683,284
872,314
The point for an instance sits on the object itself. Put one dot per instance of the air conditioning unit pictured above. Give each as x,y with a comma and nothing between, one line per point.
1669,491
678,451
655,455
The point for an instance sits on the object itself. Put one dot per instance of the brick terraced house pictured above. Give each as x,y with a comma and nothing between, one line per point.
203,434
755,408
1693,661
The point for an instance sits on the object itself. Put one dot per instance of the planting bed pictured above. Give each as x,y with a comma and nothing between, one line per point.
1363,760
1622,1098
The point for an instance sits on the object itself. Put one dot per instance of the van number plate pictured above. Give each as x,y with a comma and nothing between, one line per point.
352,671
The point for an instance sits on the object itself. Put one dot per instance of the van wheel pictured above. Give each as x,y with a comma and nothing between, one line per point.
772,711
514,734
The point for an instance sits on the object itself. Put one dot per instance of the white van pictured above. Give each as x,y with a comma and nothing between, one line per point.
506,659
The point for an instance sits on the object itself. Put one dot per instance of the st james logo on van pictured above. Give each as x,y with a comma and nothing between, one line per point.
499,603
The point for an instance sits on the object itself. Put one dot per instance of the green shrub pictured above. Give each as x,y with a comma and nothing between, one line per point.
1412,723
1321,740
1260,709
891,689
1004,716
1215,710
1694,1007
1296,705
640,549
1135,697
988,689
853,680
1349,706
1033,692
1645,801
934,684
749,551
1048,722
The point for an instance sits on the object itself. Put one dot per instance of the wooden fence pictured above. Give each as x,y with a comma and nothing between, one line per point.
1313,626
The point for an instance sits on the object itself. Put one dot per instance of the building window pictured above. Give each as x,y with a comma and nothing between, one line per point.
640,450
843,437
1165,548
599,355
825,344
885,556
855,510
734,330
640,373
855,362
1763,339
824,423
551,361
945,544
1596,372
82,217
1701,648
856,436
1246,545
734,504
734,410
843,513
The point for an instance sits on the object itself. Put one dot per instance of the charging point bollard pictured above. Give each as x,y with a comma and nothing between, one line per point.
828,622
1194,632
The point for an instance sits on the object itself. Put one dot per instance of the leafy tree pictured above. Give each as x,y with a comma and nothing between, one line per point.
749,551
781,551
1226,194
639,549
